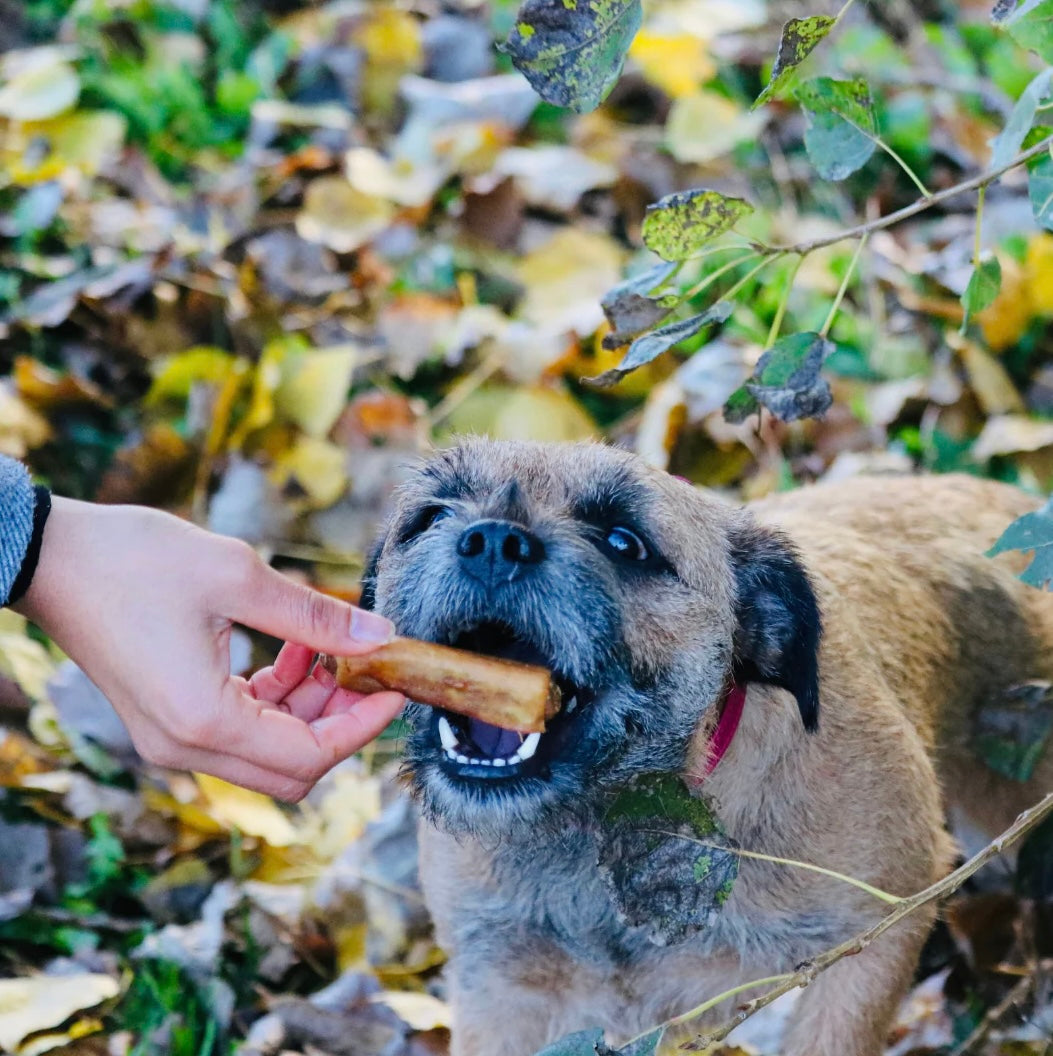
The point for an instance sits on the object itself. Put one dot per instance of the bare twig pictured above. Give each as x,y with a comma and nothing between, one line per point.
806,974
920,206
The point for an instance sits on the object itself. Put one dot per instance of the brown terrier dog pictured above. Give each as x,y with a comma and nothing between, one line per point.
856,628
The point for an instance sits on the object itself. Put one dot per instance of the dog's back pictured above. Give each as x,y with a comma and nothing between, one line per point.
905,561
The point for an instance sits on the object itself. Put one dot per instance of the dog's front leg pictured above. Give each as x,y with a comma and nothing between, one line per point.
850,1008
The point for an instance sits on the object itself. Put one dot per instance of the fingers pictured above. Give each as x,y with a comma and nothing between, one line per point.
268,601
286,744
308,750
289,669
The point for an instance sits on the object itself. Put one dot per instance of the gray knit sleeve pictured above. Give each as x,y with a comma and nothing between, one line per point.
17,502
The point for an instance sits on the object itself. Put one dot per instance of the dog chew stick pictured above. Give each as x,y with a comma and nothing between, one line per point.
502,693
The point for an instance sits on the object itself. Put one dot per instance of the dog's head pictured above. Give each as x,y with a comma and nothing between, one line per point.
646,597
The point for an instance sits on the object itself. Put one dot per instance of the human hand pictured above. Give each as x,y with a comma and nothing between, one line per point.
144,603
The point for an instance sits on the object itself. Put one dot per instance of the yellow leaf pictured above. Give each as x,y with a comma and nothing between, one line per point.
81,142
339,216
21,428
265,380
40,89
316,467
250,812
176,375
528,413
1039,267
397,179
566,279
676,63
314,388
1009,434
23,659
392,42
988,379
704,125
417,1011
350,944
41,1001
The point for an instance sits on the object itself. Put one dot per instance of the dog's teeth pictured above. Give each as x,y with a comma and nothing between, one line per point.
463,759
500,762
446,734
486,762
529,746
450,753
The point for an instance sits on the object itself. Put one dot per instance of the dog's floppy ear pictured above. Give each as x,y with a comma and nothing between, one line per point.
778,625
368,599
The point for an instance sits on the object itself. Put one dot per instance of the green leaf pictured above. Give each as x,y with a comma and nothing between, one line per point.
984,287
787,381
1030,25
1007,144
650,346
571,51
582,1043
1040,190
680,224
799,39
1032,532
842,129
1011,733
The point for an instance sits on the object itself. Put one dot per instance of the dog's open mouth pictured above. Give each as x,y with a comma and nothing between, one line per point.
471,748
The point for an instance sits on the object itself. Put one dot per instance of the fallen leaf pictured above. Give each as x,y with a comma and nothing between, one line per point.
340,217
553,176
48,390
250,812
988,379
314,386
21,428
1008,434
43,86
676,62
41,1001
23,659
417,1011
706,125
565,280
525,413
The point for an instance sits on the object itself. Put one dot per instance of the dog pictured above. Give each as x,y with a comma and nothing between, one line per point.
810,666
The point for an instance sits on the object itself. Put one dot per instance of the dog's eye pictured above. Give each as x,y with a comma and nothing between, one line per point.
627,545
423,520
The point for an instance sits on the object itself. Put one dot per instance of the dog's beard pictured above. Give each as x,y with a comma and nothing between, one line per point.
477,779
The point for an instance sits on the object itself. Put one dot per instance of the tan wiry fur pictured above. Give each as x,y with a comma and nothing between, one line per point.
920,628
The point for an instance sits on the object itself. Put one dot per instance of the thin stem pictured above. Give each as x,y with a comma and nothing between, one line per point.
703,1008
750,274
1024,824
780,314
914,208
845,282
915,179
712,277
841,13
978,244
884,896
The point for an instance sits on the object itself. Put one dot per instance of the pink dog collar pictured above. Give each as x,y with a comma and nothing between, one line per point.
724,734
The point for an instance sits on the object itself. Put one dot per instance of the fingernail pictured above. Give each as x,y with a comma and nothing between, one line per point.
369,627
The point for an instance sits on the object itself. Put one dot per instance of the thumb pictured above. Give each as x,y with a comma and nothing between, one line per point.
274,604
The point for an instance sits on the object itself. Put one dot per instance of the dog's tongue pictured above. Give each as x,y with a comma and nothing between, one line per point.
493,740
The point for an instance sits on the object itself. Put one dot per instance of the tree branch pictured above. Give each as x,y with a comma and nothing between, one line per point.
920,206
1027,821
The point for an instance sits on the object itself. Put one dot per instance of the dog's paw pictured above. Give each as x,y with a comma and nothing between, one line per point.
666,863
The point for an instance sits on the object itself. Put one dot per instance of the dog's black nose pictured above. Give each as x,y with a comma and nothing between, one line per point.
495,551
